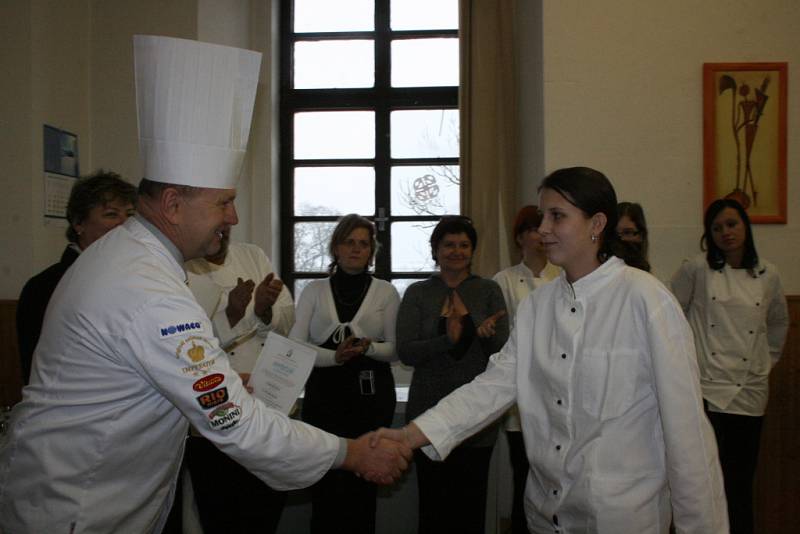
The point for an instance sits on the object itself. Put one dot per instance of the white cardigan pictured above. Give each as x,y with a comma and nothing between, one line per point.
316,319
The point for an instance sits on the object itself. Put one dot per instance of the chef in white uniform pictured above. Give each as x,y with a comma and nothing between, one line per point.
602,366
127,357
245,301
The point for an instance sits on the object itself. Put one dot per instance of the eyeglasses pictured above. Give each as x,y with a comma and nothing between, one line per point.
628,233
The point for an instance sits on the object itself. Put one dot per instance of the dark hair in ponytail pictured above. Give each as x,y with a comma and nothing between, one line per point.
591,192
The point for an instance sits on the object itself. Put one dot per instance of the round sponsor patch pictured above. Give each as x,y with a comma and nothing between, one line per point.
225,417
208,382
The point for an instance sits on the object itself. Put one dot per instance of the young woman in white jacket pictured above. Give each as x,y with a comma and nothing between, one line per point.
601,364
737,310
516,282
350,319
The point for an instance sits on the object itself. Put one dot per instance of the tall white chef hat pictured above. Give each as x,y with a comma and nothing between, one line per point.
195,104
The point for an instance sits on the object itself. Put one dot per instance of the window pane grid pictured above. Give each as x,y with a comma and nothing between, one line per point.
381,100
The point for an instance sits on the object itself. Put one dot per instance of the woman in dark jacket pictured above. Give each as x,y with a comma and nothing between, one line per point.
97,204
447,327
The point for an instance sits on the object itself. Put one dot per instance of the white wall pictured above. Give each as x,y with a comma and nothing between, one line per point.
623,94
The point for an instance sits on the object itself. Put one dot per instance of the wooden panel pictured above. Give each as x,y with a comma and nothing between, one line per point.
777,486
10,373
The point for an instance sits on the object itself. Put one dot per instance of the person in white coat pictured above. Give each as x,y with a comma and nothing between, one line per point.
349,319
127,356
516,282
735,304
601,364
245,301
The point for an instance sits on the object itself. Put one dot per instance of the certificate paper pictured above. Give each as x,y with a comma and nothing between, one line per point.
281,372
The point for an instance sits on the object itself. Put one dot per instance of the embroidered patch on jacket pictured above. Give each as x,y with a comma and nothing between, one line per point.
178,329
225,417
213,398
208,382
194,349
200,369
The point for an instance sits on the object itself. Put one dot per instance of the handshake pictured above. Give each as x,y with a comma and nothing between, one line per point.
383,455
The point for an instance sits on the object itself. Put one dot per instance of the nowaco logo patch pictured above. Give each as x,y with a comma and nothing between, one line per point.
180,328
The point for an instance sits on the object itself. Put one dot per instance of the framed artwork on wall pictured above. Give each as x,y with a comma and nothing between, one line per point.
744,137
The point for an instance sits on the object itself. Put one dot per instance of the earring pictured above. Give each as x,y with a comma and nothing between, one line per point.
594,238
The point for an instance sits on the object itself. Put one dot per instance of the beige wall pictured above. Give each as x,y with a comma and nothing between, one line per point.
614,85
623,94
45,57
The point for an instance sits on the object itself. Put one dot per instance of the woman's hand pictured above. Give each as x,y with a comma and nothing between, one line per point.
351,348
487,327
454,310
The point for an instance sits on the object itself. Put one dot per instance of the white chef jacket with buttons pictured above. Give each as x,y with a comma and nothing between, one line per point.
605,377
516,282
126,360
211,284
740,323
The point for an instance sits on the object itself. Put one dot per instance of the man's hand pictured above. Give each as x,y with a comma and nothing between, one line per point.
410,436
238,299
382,462
267,294
487,327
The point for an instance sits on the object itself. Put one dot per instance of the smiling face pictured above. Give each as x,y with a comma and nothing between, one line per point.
567,232
454,253
101,219
530,242
728,231
352,254
206,219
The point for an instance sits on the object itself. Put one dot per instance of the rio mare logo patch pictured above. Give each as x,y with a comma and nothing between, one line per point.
213,398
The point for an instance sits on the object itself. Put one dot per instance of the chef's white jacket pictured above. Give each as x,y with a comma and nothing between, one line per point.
605,377
518,280
126,360
740,320
211,284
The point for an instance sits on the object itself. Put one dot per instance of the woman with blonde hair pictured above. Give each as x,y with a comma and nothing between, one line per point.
349,318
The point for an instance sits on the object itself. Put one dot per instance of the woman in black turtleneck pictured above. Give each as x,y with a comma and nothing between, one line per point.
350,318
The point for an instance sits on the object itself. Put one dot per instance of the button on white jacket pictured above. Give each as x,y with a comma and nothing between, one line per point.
605,376
127,358
740,323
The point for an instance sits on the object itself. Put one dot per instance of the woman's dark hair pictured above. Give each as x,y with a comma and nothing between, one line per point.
714,256
591,192
528,218
452,224
97,189
635,213
344,228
